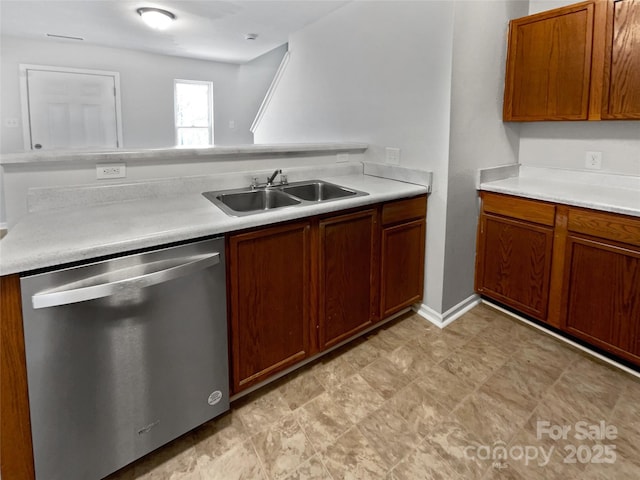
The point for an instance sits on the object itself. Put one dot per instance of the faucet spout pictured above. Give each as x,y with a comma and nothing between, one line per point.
273,177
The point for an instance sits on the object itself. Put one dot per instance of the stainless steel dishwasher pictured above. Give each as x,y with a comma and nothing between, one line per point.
123,356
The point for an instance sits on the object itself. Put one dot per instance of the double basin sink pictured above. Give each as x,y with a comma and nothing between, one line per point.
247,201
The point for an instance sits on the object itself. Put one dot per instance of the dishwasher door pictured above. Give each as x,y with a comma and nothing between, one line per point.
123,356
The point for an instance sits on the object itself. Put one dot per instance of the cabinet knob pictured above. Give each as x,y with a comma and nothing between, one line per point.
37,146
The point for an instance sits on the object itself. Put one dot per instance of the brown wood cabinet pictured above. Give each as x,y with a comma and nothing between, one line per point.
274,297
621,90
577,62
513,264
269,301
602,275
300,288
402,254
348,278
16,452
576,269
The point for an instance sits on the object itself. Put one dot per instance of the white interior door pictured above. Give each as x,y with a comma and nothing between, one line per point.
69,110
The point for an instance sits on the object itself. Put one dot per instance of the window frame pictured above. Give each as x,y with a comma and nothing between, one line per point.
209,84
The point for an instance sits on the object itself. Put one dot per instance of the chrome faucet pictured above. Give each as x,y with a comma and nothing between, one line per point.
273,177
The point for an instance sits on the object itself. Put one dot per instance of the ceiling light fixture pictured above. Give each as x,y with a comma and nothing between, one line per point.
156,17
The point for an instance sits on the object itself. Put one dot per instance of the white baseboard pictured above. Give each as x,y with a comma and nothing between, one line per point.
565,340
443,319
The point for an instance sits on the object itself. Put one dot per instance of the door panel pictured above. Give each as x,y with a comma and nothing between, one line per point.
402,259
515,264
347,275
269,285
71,110
603,302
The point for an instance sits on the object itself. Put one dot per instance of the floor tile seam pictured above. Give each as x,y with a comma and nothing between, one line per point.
620,398
570,466
549,388
344,380
413,450
417,384
316,450
579,411
537,400
263,468
373,448
272,422
321,459
444,460
307,402
316,446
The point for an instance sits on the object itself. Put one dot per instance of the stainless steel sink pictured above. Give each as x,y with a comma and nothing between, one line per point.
251,201
248,201
318,191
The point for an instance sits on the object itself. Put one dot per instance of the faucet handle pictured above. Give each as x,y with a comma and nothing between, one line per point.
254,183
283,179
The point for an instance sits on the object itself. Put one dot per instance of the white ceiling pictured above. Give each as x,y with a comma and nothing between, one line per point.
211,30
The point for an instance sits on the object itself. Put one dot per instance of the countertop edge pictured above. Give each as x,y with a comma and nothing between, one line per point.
566,200
162,154
55,259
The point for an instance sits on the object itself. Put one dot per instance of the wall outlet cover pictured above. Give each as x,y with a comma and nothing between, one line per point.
111,170
392,155
593,160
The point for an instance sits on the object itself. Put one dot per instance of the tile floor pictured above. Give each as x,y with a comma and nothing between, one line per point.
412,401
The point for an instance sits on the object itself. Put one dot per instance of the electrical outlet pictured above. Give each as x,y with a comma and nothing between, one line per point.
111,170
392,155
342,157
593,160
11,123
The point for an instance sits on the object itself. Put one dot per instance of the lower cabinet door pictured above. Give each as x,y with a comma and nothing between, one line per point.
402,264
269,281
603,301
514,263
347,275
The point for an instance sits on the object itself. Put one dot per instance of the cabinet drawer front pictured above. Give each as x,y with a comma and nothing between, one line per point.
605,225
403,210
520,208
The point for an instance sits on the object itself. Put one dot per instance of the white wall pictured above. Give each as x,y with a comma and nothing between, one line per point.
20,178
563,144
380,73
146,82
254,79
478,138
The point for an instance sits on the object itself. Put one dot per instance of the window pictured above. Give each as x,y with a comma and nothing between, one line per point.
194,113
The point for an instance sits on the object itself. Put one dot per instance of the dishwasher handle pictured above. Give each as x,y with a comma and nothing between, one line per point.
62,296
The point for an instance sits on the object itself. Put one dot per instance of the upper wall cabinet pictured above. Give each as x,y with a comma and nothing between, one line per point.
621,89
578,62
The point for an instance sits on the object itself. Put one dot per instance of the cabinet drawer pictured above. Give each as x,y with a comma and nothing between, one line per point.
520,208
403,210
605,225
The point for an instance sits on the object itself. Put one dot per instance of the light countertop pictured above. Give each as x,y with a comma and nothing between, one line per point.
57,237
598,191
